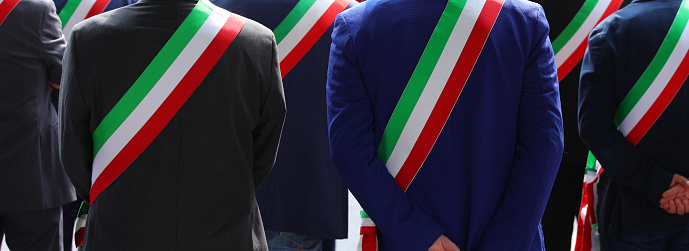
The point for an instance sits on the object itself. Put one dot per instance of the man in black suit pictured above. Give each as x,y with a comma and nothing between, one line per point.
565,198
303,201
33,185
192,187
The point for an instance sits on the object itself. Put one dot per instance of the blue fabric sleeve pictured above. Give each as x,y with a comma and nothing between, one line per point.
539,149
352,134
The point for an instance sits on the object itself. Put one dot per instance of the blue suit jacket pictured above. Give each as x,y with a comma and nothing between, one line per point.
303,193
620,49
486,182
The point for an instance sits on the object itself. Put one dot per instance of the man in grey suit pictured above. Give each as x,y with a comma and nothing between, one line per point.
33,185
192,187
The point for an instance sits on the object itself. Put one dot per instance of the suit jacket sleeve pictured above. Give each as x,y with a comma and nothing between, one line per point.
622,161
539,148
351,132
76,145
269,129
53,43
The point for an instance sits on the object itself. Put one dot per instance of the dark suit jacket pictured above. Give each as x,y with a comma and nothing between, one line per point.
114,4
193,187
31,47
620,49
303,193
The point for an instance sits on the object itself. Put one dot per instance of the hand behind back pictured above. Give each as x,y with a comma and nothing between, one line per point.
443,244
676,199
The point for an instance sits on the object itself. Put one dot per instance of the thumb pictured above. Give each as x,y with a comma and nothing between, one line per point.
678,179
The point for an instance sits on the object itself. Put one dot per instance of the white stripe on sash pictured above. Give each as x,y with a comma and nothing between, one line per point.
79,15
582,33
658,85
162,89
302,27
367,222
436,84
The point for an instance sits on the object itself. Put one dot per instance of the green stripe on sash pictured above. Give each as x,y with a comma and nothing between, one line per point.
150,76
67,11
296,14
656,65
420,77
574,25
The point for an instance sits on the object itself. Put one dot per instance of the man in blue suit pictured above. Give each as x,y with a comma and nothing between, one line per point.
303,201
485,183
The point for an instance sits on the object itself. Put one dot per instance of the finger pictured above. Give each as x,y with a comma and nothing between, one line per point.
673,191
448,244
680,206
671,207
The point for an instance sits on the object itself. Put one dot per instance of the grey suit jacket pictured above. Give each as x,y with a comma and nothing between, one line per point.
193,187
31,47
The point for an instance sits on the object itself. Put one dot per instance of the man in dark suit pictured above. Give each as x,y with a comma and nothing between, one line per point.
644,163
33,185
303,201
192,187
70,209
565,198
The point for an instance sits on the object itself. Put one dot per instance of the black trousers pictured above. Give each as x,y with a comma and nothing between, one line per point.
40,231
563,207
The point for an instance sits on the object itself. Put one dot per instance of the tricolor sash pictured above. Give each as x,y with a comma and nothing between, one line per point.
160,91
638,111
76,11
570,45
302,27
5,7
368,240
80,225
435,86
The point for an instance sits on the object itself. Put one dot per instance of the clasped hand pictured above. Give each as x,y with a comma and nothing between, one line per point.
676,199
443,244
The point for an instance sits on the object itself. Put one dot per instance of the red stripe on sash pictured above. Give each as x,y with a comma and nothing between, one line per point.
662,102
584,234
170,106
312,36
79,237
588,200
369,242
97,8
572,61
450,93
367,230
5,7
